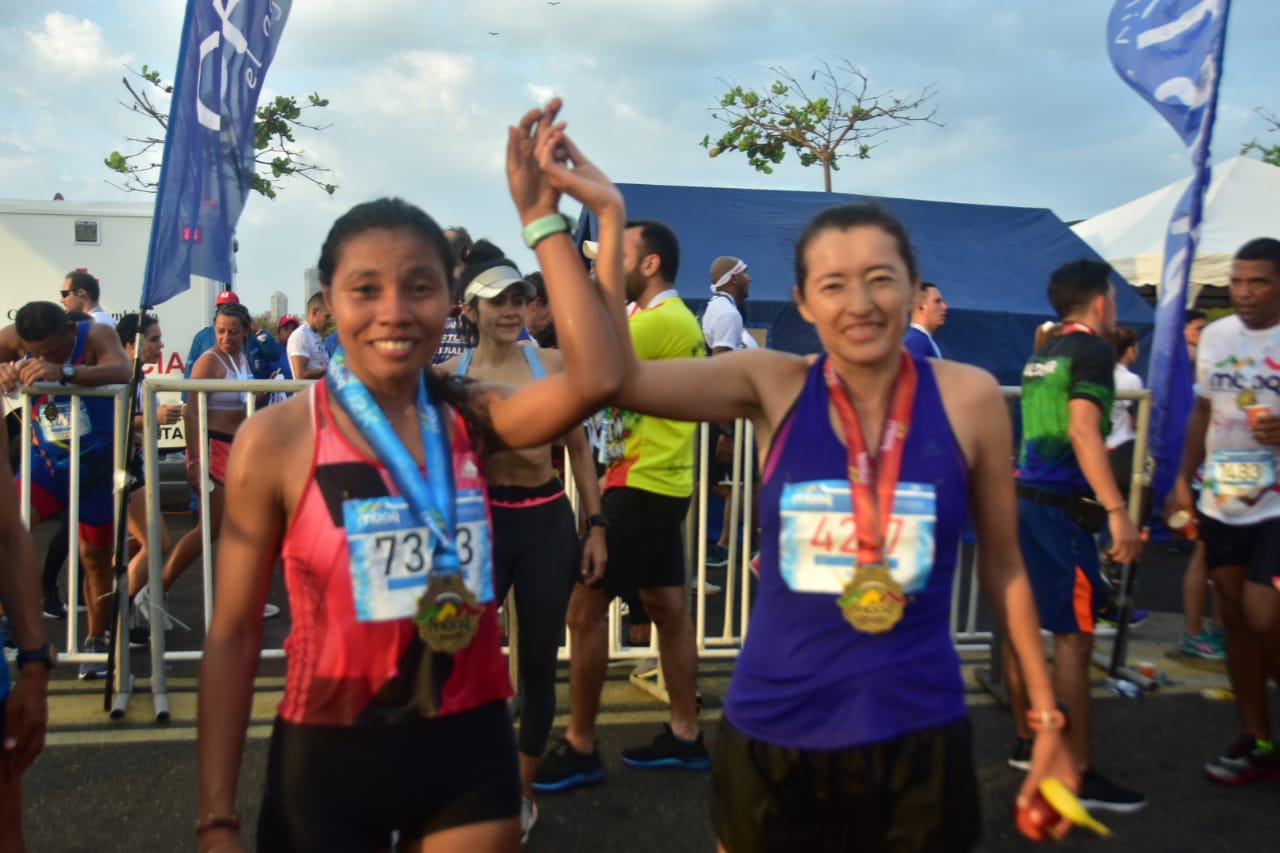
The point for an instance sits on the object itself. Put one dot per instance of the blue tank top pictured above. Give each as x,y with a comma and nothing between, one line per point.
52,418
530,355
805,677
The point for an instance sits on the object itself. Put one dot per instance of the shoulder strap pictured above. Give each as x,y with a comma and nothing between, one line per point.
534,360
464,362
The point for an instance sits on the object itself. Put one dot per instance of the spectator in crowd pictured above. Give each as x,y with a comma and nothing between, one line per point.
535,538
928,314
541,324
288,322
308,357
1066,493
455,340
80,292
166,415
1234,431
383,690
226,411
44,346
648,483
24,709
261,349
1120,440
1194,325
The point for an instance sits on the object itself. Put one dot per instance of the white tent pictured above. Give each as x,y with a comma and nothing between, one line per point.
1242,202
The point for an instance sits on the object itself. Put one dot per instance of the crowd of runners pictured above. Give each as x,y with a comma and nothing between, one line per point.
431,439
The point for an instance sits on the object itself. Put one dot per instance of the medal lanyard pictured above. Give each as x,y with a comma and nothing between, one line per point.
1078,327
872,482
431,498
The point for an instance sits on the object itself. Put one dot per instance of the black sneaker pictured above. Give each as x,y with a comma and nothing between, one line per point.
564,768
1244,762
1099,792
53,606
1020,758
667,750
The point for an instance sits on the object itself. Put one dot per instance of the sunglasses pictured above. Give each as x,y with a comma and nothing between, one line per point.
66,293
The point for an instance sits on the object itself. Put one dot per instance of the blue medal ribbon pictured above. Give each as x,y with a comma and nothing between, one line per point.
431,498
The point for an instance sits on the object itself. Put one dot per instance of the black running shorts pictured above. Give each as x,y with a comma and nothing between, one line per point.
346,788
1254,546
916,792
646,549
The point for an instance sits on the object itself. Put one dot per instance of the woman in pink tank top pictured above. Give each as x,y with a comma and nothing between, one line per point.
427,750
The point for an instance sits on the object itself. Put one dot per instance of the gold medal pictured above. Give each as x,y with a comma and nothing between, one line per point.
50,412
1246,398
872,602
448,615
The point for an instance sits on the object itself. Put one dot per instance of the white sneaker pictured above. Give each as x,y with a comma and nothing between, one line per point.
528,818
142,605
646,668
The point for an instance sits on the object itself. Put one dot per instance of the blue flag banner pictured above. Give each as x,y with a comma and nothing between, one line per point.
1170,53
208,165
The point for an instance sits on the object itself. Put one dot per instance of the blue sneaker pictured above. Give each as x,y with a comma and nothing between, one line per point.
564,768
667,750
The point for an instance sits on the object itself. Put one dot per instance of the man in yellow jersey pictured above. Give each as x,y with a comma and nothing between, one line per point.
648,484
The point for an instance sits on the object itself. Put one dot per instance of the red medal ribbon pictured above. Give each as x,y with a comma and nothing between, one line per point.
1078,327
873,481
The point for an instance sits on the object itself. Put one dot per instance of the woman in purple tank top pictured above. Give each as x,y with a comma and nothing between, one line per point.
837,736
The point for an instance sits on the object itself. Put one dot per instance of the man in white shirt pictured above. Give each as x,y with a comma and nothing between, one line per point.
1234,429
80,292
307,356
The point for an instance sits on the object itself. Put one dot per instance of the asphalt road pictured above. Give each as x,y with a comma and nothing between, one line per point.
130,785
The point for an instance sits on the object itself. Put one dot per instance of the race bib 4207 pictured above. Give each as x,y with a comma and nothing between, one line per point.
819,540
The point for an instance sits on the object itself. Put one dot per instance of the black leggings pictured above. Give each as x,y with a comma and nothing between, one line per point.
535,548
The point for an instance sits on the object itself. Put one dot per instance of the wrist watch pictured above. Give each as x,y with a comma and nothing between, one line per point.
542,228
42,654
68,373
597,520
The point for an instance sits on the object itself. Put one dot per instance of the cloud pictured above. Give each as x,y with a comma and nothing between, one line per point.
71,47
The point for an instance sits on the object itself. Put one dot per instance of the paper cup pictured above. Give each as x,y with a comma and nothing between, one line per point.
1256,411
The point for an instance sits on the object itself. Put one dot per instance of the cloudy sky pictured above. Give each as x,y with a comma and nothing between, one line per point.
421,93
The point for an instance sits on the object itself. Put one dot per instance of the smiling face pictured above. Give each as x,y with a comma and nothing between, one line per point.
390,296
857,293
502,318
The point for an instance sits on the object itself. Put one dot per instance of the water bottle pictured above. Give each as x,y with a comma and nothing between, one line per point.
1124,687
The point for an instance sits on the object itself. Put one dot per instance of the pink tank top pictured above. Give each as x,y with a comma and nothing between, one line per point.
345,672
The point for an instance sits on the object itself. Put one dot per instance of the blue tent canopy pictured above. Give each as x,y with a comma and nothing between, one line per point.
991,263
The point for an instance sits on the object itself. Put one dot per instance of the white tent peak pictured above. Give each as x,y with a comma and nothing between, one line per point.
1242,202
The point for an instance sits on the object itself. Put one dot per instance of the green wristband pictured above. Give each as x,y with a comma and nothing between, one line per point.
542,228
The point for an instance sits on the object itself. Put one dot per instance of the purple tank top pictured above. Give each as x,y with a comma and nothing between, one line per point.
805,677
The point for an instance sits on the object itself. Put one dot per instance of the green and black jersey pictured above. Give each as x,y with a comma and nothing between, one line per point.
1075,366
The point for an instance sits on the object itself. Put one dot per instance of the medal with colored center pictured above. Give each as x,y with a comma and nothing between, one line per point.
448,615
872,601
1246,398
50,412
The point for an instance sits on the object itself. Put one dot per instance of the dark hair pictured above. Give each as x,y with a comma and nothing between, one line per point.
392,213
81,280
79,316
381,213
1194,314
459,240
483,255
128,329
845,216
38,321
1261,249
1074,284
234,310
317,298
1123,339
657,239
539,286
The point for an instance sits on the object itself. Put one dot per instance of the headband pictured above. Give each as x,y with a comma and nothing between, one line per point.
740,266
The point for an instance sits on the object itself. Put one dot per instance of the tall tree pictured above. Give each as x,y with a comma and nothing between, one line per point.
278,154
1268,153
839,120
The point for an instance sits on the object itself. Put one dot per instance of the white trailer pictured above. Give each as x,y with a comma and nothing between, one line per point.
41,241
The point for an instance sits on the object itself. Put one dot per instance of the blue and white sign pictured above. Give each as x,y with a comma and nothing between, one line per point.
209,152
1170,53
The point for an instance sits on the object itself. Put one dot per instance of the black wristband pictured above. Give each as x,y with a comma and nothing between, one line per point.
42,654
597,520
